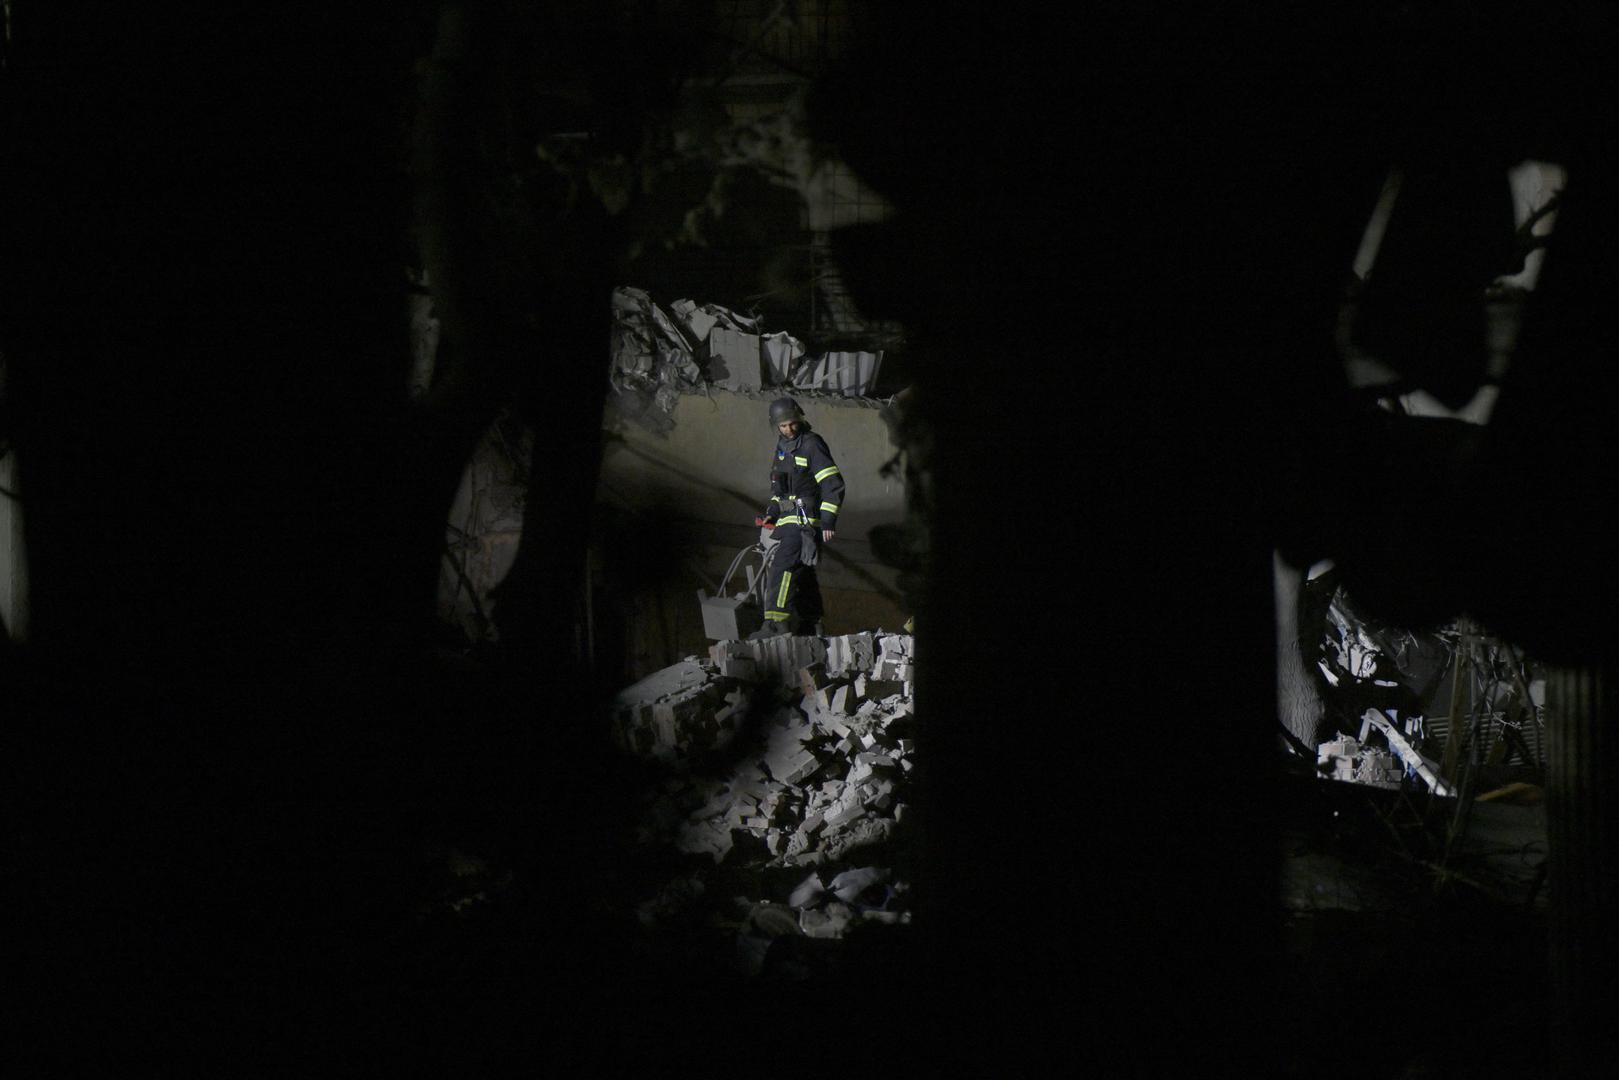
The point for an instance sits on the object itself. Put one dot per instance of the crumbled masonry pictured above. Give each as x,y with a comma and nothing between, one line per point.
815,740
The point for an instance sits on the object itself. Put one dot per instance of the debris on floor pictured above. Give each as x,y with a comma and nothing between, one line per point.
789,754
1456,707
1350,759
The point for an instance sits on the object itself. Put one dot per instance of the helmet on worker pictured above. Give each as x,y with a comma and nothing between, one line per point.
784,411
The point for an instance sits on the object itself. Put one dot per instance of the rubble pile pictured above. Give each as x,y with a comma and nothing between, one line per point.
818,778
1347,758
681,713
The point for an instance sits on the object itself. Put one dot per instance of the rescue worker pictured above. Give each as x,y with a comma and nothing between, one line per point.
806,493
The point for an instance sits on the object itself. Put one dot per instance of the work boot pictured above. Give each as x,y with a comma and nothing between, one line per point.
770,629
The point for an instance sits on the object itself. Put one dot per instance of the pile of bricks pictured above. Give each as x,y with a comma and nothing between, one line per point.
681,713
1349,760
829,747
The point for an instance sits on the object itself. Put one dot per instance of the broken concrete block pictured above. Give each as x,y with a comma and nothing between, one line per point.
840,702
867,830
868,740
814,705
807,892
843,812
812,824
783,656
837,726
898,671
845,746
781,352
850,654
874,688
670,680
874,759
895,646
776,841
734,359
794,769
693,320
739,667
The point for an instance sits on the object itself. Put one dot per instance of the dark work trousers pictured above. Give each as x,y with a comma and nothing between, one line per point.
792,595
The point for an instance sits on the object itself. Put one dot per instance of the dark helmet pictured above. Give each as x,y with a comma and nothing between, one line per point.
784,409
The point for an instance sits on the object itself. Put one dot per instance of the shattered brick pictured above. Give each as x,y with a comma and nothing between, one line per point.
842,813
877,689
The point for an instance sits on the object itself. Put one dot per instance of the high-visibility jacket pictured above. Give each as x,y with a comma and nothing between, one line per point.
803,471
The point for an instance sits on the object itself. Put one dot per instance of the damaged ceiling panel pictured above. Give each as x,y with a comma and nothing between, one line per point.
656,355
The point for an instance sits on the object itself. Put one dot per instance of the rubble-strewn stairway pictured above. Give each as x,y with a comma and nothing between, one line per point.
787,754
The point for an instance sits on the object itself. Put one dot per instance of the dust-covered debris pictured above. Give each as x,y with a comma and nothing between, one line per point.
816,780
651,360
1348,759
680,713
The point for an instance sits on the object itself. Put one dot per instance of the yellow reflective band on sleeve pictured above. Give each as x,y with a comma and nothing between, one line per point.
804,461
776,616
830,470
794,519
781,594
829,508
